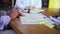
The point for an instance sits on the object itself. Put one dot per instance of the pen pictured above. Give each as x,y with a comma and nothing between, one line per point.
28,11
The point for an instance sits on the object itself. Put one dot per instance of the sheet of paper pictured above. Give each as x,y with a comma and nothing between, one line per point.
32,18
35,18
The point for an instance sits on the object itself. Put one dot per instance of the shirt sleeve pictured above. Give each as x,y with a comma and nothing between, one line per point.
19,3
39,4
1,24
4,20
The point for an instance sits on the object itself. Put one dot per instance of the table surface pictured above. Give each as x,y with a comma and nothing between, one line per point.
32,28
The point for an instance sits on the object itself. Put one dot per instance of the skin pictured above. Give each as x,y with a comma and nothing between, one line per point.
30,7
15,13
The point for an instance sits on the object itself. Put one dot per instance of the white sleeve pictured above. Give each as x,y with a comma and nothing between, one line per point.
6,19
39,4
19,3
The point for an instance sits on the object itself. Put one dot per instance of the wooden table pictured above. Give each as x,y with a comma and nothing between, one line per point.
32,28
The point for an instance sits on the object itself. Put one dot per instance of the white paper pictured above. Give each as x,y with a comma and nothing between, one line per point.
32,18
35,18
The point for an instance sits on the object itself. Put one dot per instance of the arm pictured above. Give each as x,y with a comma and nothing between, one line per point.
4,20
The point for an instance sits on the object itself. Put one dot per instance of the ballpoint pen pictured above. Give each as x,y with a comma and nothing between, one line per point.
28,11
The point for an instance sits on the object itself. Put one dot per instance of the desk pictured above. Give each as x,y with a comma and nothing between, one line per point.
32,28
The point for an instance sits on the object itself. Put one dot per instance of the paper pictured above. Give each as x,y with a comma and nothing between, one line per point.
38,18
31,18
42,22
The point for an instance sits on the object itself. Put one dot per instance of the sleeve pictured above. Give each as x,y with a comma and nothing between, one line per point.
39,4
4,20
19,3
1,24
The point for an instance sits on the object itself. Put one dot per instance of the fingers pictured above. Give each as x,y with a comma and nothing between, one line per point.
21,14
16,9
14,13
26,8
30,7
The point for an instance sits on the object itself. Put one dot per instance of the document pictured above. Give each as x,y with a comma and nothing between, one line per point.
36,18
31,18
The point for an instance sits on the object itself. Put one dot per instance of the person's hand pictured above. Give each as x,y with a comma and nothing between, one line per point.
21,14
26,8
14,13
30,7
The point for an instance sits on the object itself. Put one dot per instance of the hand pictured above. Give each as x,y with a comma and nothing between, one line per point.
30,7
21,14
26,8
14,13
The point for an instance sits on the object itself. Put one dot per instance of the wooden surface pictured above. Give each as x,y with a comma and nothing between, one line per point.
32,28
